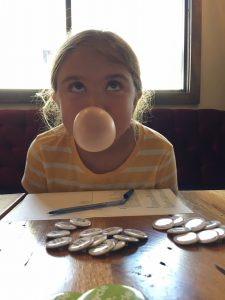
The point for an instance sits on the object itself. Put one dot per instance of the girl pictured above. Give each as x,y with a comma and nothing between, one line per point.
97,69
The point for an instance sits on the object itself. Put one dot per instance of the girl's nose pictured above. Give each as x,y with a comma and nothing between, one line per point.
96,99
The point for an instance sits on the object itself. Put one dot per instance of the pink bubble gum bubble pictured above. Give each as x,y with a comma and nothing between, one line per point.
94,129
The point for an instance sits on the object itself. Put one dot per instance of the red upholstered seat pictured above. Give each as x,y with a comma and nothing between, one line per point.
17,130
198,137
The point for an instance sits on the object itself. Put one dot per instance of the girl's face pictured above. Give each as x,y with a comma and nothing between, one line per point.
87,78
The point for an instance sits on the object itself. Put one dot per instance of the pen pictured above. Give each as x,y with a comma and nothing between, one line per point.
65,210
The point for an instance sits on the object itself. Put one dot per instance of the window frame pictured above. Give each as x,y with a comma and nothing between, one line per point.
192,65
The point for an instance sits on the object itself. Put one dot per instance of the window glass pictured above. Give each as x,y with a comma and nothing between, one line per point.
154,29
30,32
165,35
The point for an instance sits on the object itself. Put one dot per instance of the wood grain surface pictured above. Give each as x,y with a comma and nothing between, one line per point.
8,202
157,267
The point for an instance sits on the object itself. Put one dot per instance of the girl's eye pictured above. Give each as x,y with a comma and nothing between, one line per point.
77,87
113,85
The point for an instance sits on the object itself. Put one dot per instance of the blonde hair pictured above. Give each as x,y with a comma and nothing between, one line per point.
105,42
143,107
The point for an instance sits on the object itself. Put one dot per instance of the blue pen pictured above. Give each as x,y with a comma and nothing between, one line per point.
65,210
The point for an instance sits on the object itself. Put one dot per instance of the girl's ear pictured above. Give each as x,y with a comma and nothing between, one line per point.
55,98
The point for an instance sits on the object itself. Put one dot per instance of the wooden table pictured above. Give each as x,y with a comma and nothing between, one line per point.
158,267
8,202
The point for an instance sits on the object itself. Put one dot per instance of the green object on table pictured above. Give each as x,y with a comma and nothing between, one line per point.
67,296
113,292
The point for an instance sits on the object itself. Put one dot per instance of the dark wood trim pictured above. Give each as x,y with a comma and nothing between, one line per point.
68,16
14,204
17,96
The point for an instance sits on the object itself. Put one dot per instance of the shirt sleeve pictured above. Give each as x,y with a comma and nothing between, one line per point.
34,179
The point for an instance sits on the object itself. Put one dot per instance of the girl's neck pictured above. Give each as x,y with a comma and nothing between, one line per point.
111,158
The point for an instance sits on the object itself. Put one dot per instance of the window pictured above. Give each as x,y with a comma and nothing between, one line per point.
164,34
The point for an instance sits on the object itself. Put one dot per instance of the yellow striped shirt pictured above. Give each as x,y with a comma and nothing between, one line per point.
53,165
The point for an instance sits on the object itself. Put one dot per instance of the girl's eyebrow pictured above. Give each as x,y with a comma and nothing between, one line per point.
119,76
108,77
70,78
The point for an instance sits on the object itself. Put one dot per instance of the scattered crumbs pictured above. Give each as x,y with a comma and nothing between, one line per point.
26,262
144,275
28,259
169,248
162,263
139,273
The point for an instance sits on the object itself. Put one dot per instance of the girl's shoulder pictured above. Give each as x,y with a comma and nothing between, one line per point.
149,135
54,135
